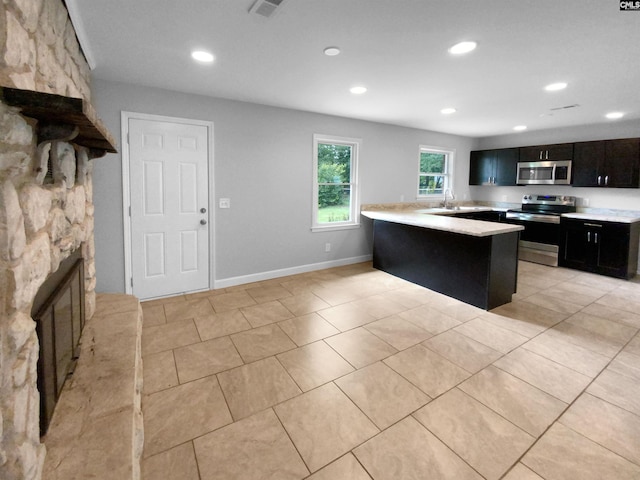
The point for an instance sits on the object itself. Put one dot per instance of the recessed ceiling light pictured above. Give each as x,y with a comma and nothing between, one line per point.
614,115
358,90
448,111
202,56
555,86
520,128
331,51
463,47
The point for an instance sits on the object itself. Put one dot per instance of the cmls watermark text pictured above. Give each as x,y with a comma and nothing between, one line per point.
630,5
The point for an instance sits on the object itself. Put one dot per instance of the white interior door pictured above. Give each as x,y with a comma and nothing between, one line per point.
168,177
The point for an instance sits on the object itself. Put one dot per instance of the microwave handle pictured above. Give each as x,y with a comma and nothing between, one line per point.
553,172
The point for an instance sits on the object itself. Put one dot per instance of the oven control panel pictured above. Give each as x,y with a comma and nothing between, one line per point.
565,200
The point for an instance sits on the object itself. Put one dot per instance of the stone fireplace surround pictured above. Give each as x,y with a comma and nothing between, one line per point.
43,220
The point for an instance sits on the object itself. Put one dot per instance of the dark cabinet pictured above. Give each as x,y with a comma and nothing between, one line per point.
607,248
493,167
607,163
561,151
487,216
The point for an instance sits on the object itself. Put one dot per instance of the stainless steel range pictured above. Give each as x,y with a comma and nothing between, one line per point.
540,217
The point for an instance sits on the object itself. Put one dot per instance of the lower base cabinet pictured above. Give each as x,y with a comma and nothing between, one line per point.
606,248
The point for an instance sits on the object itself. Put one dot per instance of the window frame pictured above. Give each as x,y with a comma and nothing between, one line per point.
354,210
447,174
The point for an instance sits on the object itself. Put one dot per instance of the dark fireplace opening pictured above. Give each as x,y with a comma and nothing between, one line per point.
58,310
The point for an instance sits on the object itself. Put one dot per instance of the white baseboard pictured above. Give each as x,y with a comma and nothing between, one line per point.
259,277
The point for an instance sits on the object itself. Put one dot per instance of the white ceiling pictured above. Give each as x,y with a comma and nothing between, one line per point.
396,48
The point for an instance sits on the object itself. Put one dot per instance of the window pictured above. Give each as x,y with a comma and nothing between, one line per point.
434,176
335,189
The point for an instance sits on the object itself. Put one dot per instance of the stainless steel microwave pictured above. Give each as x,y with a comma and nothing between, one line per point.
544,173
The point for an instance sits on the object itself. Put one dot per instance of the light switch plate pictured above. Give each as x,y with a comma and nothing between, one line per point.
224,203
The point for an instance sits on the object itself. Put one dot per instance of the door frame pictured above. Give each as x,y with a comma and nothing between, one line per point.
126,189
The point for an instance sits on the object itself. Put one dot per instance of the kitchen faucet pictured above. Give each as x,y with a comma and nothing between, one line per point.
449,193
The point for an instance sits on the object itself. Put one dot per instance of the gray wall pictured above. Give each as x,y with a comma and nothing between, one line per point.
615,198
263,163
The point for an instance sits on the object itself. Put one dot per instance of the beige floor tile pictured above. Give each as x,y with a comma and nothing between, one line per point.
159,372
520,472
304,303
266,313
523,291
430,372
606,424
380,306
621,302
164,300
585,338
231,301
407,450
551,377
308,328
614,314
555,304
599,282
461,311
522,404
383,395
262,342
484,439
221,324
300,285
187,309
491,335
314,365
182,413
463,351
171,335
179,463
568,354
398,333
562,454
153,315
359,347
633,346
268,293
430,319
575,293
346,317
254,387
618,389
616,333
345,468
524,318
206,358
256,447
336,295
409,297
324,425
626,364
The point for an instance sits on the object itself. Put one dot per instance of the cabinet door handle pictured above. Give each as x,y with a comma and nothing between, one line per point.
599,179
595,235
606,180
546,155
592,225
588,237
540,155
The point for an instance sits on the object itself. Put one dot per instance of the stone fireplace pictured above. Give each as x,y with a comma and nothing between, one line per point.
49,136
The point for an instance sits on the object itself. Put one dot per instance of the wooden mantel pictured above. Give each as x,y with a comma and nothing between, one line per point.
50,109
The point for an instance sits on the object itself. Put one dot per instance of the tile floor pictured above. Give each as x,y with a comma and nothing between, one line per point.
350,373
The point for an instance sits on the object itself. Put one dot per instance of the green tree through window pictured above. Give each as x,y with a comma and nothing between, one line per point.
434,169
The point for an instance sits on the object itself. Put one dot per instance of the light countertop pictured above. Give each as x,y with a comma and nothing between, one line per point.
602,217
439,219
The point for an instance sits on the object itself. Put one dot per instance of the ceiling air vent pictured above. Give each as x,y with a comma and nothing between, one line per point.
265,8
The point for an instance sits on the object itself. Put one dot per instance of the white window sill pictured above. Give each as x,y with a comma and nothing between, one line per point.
332,228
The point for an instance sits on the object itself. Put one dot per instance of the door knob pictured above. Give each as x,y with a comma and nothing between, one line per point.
203,222
203,210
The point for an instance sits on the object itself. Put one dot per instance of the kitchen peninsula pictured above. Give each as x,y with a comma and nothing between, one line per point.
471,260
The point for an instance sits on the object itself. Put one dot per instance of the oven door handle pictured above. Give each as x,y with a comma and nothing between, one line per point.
534,218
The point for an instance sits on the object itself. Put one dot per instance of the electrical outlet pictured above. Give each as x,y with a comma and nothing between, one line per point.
402,198
224,203
585,202
327,247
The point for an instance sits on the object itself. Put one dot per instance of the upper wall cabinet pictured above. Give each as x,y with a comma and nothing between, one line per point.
493,167
607,163
561,151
